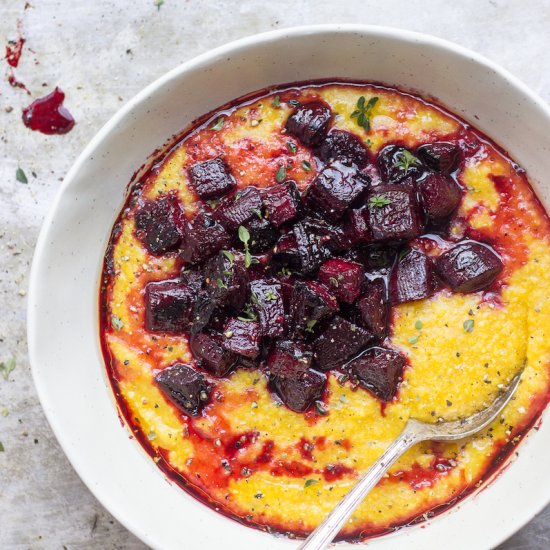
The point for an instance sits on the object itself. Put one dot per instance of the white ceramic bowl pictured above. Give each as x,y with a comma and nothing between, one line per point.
63,299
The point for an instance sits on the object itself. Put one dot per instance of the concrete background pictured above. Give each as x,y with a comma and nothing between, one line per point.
101,53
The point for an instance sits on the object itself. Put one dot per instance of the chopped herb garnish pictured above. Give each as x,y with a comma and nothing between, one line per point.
151,435
363,113
413,340
306,165
213,203
310,324
320,408
294,102
342,379
258,212
280,175
7,367
244,237
276,103
221,284
158,4
291,146
229,255
378,201
406,160
418,325
270,296
310,482
286,271
116,322
468,325
20,176
218,125
1,447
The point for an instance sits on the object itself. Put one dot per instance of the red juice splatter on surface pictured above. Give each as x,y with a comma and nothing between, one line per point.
14,49
12,81
48,114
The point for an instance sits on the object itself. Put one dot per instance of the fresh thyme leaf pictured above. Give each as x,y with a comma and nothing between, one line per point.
244,237
291,146
221,284
258,212
286,271
378,201
218,125
158,4
363,112
151,435
406,160
468,325
306,165
7,367
270,296
276,103
320,408
310,482
116,322
418,325
413,340
20,176
280,176
229,255
310,324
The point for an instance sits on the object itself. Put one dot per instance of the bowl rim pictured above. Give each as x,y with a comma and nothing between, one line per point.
232,47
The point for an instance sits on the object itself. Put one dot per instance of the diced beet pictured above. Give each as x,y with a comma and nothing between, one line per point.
413,278
242,337
310,303
192,278
373,307
204,311
339,343
226,281
357,224
440,196
397,163
343,146
204,238
211,178
289,359
185,387
168,306
286,251
379,370
331,237
343,278
263,235
283,203
210,354
300,392
469,266
441,156
268,303
335,188
160,224
309,122
311,249
238,209
394,214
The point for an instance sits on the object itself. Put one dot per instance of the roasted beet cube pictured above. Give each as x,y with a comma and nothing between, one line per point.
335,188
268,303
263,235
373,307
339,343
469,266
309,122
204,238
397,163
192,278
286,251
242,337
311,249
299,393
441,156
211,179
210,354
160,224
168,306
379,370
226,280
357,225
283,203
289,359
204,311
413,278
440,196
238,209
343,146
394,214
343,277
185,387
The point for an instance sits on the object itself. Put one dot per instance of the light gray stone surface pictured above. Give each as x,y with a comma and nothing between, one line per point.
101,53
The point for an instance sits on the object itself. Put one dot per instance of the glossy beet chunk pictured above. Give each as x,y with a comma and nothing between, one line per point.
160,224
211,179
397,163
226,280
300,392
441,156
343,146
440,196
268,304
310,248
339,343
413,278
238,209
242,337
204,238
394,213
373,307
168,306
357,225
285,251
289,359
263,235
334,190
343,277
185,387
309,122
379,370
469,266
210,354
282,203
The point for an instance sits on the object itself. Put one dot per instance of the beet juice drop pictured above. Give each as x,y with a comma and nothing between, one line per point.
48,114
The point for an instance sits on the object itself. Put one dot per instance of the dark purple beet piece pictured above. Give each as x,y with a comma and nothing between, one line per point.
379,370
242,337
268,303
283,203
203,311
204,238
289,359
441,156
440,196
192,278
357,225
310,247
300,392
343,146
263,235
286,251
373,307
335,188
341,341
185,387
226,281
413,278
343,277
397,163
168,306
394,214
469,266
309,122
238,209
160,224
211,178
210,354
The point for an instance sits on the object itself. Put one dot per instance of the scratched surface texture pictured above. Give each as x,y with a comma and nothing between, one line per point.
101,53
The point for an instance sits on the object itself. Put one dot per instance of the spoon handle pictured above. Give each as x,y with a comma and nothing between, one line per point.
326,531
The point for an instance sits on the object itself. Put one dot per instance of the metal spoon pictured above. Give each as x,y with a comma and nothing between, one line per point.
414,432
